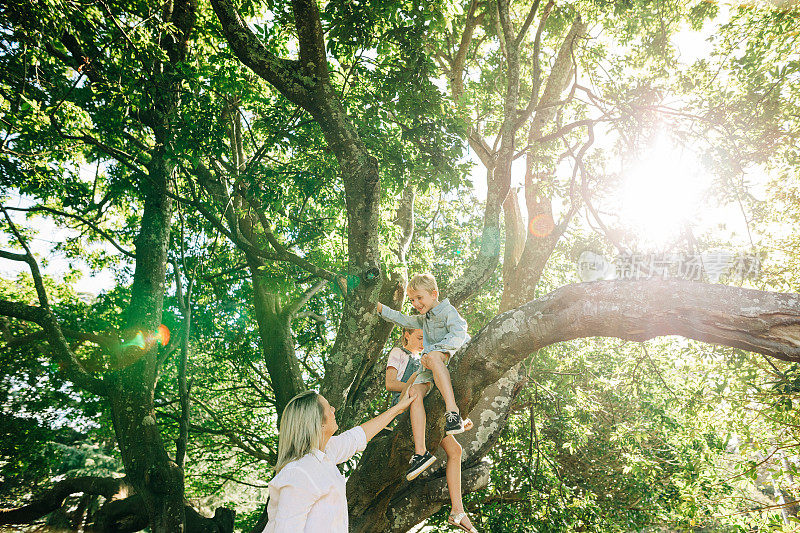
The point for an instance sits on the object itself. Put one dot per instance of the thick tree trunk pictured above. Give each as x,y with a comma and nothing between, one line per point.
154,476
369,381
129,388
361,334
521,275
157,479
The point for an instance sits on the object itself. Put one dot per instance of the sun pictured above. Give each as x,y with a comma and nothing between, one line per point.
662,192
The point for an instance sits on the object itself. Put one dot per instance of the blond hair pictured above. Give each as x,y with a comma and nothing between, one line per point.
424,281
301,428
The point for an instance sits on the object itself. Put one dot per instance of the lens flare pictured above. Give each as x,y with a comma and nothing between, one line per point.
142,341
137,341
662,192
162,335
541,225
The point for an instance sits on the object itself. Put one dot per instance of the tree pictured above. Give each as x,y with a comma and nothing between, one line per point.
365,483
188,146
138,123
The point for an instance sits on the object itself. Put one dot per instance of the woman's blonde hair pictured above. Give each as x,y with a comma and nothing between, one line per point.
300,429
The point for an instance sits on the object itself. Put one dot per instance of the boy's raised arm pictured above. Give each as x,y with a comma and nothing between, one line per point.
399,318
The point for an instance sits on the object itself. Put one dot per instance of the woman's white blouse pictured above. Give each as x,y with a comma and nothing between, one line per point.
308,494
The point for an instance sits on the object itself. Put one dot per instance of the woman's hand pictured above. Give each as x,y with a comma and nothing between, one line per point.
406,396
372,426
405,400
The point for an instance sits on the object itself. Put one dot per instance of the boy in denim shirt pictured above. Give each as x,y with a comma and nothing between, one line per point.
444,331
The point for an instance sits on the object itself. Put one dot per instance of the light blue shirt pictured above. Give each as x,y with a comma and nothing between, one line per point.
443,329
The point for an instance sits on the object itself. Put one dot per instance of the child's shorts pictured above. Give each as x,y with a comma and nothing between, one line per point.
426,374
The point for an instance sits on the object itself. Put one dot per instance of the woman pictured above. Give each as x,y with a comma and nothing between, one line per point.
307,492
401,369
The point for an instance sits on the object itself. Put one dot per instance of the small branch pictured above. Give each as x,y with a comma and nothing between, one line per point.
537,69
13,257
298,304
312,315
527,23
284,253
658,372
108,342
233,438
561,132
118,155
81,219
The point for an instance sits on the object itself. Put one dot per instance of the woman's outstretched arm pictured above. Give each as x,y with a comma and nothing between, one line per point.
373,426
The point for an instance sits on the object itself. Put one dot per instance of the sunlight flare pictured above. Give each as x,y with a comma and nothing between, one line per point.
662,192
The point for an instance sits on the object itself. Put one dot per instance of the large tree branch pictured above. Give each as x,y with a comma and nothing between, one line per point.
184,17
556,81
128,515
537,69
313,60
515,234
428,495
460,58
53,498
282,73
482,149
527,23
307,85
44,316
405,221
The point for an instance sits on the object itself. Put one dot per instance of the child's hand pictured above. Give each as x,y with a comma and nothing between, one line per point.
425,361
380,308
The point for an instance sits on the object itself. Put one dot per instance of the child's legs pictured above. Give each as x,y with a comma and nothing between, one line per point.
441,376
418,416
453,472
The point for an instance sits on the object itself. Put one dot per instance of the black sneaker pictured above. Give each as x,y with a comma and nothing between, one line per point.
418,464
453,424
